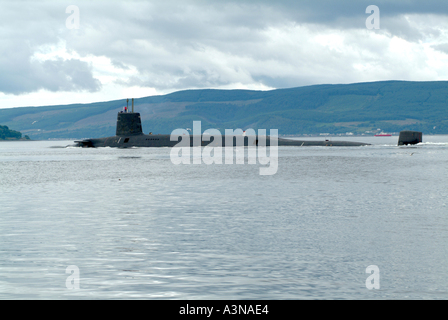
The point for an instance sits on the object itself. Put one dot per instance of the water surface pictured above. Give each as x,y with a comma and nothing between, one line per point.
138,226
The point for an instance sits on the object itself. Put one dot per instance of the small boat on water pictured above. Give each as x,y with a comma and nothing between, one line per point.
382,134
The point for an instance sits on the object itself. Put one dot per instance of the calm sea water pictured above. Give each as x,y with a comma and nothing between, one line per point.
137,226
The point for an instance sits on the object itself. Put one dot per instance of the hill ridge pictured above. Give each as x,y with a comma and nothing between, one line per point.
391,105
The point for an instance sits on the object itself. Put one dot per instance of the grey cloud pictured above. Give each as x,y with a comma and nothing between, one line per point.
442,47
161,37
66,75
349,14
183,44
26,27
22,75
329,11
118,64
165,78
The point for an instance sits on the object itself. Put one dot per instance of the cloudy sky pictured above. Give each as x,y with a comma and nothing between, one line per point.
121,49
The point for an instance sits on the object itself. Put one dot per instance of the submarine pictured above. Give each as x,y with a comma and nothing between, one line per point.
409,137
129,134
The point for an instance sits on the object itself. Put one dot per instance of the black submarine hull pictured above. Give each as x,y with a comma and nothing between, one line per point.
129,134
409,137
165,141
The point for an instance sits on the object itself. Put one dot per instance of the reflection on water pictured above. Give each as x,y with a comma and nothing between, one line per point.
138,226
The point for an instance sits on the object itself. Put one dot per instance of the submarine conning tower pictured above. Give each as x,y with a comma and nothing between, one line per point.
409,137
129,123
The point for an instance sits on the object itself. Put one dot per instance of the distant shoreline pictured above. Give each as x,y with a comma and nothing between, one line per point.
15,140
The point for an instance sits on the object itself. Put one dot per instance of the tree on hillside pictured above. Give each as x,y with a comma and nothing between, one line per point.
6,133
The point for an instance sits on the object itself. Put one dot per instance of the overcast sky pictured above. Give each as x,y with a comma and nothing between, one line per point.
125,49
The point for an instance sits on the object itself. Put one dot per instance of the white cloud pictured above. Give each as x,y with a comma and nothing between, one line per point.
142,48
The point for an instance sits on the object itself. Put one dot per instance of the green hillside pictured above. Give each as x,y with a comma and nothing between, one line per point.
390,105
8,134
